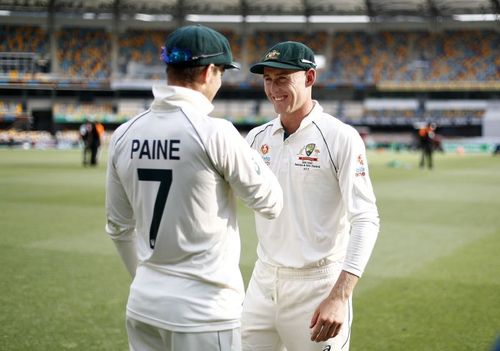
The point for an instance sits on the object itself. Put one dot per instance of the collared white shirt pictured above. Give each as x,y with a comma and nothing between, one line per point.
329,206
173,173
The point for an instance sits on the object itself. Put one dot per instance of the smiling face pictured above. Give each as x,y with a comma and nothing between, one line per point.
289,91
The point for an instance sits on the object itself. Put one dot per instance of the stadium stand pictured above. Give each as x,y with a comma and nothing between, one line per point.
23,39
386,75
140,54
84,53
458,56
23,51
356,57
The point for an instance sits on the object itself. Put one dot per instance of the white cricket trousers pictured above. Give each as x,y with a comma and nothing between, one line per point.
145,337
280,303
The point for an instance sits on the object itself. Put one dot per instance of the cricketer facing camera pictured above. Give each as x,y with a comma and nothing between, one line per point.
173,173
312,255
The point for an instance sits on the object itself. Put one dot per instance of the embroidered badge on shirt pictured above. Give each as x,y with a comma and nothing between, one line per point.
308,157
264,149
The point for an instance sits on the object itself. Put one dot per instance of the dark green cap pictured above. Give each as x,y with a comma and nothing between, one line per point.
286,55
197,45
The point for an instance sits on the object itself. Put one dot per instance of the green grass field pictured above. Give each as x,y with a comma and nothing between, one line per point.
433,282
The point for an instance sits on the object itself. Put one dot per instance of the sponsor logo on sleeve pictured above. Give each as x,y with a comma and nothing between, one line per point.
360,166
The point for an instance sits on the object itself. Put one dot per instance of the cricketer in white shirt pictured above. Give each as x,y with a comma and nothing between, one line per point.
173,173
329,201
329,224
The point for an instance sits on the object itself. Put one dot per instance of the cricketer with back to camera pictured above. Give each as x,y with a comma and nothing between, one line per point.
173,173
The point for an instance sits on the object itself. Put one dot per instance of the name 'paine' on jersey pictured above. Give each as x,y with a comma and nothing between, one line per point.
172,176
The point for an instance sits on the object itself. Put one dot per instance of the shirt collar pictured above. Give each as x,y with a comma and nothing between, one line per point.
168,97
311,117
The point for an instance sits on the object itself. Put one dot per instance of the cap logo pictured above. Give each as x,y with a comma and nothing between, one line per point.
272,55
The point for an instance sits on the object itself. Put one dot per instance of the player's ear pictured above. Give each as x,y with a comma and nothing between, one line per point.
310,77
206,73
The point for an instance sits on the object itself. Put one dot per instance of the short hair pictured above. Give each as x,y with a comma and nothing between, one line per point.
184,74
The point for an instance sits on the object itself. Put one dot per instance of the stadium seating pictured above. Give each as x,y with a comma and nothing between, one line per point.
359,58
23,39
84,53
353,58
139,54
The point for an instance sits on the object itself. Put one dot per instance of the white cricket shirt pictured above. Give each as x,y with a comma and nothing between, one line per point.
329,206
173,173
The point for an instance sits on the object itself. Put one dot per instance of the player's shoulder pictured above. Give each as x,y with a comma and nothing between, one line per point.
260,131
331,123
210,129
124,128
336,132
214,126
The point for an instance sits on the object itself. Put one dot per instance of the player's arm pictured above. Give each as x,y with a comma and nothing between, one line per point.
360,203
359,200
120,222
242,167
329,316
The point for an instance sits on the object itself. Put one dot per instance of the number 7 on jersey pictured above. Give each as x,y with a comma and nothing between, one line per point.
164,176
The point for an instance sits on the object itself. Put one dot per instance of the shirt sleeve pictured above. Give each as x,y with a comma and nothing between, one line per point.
120,222
359,200
243,168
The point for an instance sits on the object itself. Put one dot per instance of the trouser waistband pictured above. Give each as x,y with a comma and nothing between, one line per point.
322,268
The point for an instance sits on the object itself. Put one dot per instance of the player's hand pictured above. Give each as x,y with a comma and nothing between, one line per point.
327,319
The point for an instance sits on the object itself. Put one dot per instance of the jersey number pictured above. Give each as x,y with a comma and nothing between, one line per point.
164,176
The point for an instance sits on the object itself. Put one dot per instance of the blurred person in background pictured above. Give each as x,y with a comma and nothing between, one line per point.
94,141
85,130
91,134
99,130
173,173
310,257
427,140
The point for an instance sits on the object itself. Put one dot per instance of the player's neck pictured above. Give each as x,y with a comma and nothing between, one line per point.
291,121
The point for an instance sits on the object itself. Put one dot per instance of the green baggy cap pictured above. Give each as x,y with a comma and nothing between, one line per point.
286,55
197,45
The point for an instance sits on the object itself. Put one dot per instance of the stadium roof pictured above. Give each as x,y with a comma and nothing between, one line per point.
371,8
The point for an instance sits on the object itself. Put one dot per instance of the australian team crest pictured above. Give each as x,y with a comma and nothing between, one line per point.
272,55
307,157
310,148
